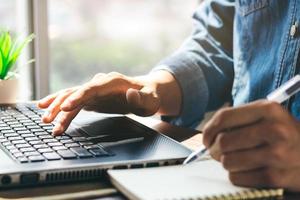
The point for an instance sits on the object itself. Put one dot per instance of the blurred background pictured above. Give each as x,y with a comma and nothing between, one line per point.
85,37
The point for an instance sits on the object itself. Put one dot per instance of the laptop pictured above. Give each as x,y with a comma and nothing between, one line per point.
93,143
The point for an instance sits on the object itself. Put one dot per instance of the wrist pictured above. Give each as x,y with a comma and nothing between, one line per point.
167,89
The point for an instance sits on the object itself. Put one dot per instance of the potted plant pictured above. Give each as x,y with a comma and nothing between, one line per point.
10,50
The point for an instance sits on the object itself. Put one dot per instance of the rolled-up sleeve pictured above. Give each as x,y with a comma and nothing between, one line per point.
203,66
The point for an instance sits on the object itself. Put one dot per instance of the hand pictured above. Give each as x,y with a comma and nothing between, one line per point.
258,143
108,93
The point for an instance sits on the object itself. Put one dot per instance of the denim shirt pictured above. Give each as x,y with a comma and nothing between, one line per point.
239,52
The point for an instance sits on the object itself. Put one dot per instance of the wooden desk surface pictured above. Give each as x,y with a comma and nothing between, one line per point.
190,138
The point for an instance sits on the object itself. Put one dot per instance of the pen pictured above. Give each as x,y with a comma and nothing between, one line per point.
279,95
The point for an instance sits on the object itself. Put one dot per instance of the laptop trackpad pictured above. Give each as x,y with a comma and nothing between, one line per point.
109,128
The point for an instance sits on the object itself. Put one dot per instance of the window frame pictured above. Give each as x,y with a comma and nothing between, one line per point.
37,15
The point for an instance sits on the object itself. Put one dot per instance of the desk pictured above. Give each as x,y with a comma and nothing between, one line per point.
187,137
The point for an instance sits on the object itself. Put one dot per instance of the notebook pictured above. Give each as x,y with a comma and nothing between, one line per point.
201,180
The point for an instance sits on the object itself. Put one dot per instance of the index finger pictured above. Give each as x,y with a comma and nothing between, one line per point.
231,118
78,98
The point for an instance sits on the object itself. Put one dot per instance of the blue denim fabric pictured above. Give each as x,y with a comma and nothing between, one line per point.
239,52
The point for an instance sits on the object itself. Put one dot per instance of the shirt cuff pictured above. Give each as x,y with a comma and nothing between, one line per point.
194,91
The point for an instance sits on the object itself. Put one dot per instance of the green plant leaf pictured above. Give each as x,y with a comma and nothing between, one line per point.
1,63
10,52
6,46
18,47
2,36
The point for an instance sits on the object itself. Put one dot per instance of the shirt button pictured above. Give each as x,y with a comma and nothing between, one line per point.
293,30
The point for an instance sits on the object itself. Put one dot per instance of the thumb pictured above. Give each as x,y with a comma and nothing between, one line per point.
144,102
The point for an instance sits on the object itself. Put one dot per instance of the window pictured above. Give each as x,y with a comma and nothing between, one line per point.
129,36
8,14
13,19
79,38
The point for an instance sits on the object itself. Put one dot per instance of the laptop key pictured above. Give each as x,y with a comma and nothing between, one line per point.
2,140
13,122
44,137
13,151
23,120
10,134
79,139
51,156
43,124
19,142
48,127
15,138
31,139
5,128
29,124
23,132
53,144
66,141
22,145
45,150
18,154
27,149
8,131
9,119
99,152
69,145
33,127
81,152
9,147
63,137
41,133
56,148
36,158
20,129
22,159
86,143
66,154
6,143
36,142
49,140
37,130
93,146
28,135
31,153
40,146
16,126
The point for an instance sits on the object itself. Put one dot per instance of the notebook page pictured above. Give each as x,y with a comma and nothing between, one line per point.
201,179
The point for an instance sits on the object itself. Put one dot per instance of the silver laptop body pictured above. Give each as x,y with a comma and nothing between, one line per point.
93,143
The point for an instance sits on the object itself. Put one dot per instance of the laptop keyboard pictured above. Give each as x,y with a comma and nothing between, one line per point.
27,139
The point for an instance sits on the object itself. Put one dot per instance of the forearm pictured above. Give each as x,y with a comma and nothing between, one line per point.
168,91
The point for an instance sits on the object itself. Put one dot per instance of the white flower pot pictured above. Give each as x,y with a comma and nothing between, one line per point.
9,90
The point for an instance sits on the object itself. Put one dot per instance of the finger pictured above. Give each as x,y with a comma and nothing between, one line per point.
230,118
142,102
54,108
260,178
247,137
78,98
64,121
251,159
98,76
45,102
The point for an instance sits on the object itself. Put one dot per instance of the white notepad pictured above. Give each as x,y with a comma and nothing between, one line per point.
201,180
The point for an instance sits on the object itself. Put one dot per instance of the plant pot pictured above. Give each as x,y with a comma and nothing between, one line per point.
9,90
